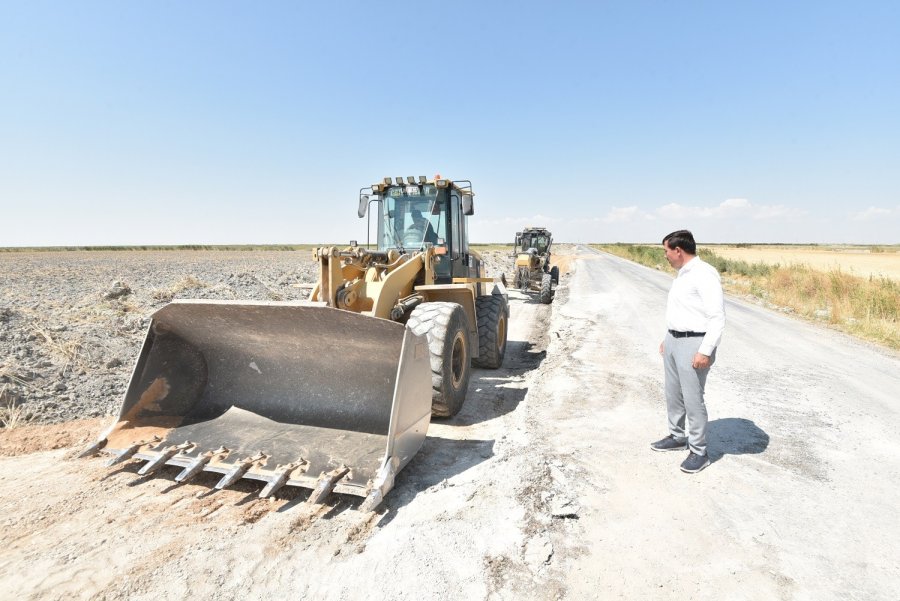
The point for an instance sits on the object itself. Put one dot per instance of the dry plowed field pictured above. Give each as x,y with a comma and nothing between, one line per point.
861,262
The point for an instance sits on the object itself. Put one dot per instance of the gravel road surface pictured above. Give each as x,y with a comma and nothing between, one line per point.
800,501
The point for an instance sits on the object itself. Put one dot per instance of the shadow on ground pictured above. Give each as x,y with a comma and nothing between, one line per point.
735,436
496,392
440,459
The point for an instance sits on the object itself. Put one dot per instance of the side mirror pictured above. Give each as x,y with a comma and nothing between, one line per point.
363,205
468,206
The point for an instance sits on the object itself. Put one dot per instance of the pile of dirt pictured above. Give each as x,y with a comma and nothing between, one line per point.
49,437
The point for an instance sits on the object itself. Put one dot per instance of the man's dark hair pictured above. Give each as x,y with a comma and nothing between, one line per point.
682,239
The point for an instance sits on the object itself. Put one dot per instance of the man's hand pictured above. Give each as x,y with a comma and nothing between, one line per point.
700,361
661,347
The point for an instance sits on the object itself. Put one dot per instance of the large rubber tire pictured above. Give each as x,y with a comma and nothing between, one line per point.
546,288
554,274
446,328
493,319
523,275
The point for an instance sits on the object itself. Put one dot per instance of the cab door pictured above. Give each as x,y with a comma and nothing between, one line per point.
464,265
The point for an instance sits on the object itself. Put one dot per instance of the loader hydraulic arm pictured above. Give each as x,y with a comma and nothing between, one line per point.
337,267
378,283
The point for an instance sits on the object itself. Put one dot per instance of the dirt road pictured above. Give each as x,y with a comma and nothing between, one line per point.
800,501
543,487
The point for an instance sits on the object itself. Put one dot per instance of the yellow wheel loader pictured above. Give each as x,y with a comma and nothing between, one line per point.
533,270
334,393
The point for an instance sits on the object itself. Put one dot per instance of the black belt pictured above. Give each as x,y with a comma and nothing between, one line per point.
677,334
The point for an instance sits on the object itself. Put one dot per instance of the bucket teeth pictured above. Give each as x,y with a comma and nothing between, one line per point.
239,470
326,483
384,481
93,449
281,477
160,460
198,464
125,454
373,500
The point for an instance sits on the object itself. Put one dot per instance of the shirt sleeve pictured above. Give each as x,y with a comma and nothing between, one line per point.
710,290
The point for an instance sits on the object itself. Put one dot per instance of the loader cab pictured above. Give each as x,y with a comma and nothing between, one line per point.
412,215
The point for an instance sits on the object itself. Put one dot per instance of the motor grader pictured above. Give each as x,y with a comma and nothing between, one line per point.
335,393
533,270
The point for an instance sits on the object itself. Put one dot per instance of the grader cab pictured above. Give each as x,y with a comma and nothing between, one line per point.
534,272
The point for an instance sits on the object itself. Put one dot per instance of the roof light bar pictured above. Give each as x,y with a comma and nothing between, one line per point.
399,181
422,179
410,179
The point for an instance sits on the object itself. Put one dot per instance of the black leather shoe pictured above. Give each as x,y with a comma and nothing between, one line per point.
669,443
694,463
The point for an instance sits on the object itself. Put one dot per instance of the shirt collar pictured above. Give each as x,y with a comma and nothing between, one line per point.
688,266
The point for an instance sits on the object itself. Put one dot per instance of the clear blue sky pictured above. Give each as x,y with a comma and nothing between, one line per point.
258,122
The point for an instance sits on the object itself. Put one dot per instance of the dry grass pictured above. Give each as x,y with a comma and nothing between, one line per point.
71,353
498,246
9,372
12,414
862,261
186,283
868,307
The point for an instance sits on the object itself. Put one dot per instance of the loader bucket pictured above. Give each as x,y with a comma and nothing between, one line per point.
290,393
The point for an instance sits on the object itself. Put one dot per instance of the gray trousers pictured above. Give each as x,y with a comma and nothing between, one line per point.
684,391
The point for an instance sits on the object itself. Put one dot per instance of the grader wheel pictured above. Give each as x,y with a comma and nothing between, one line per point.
546,288
523,277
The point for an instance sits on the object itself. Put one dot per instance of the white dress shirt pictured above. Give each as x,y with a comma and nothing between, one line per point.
696,303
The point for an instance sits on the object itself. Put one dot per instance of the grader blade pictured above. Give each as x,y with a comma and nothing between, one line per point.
290,394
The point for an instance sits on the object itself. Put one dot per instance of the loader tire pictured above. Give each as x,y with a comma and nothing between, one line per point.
554,274
446,328
546,289
493,318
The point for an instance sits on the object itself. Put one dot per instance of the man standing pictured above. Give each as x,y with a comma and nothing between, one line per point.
695,317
